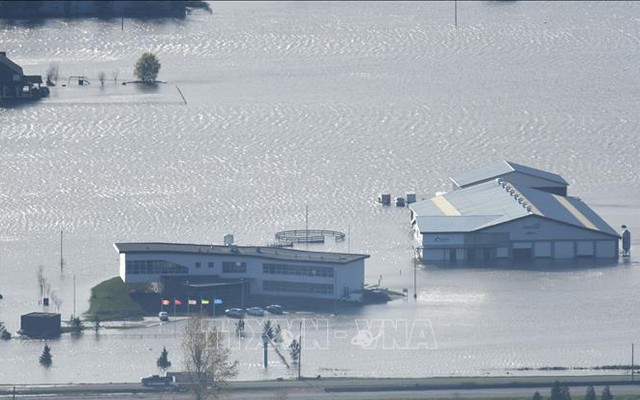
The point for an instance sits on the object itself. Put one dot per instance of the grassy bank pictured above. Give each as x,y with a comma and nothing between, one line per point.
112,300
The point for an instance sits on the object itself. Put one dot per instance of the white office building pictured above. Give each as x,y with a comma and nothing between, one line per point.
265,270
509,211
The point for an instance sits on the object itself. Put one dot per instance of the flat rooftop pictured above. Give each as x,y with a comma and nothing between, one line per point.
276,253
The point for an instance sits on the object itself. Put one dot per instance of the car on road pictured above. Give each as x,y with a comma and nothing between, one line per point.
255,311
158,381
163,316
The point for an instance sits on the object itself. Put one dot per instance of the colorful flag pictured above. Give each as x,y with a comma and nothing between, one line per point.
205,301
177,302
166,302
193,302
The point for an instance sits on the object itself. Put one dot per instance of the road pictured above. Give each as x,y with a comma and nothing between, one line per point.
341,389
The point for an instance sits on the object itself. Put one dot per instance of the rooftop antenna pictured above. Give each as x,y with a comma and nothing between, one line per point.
61,260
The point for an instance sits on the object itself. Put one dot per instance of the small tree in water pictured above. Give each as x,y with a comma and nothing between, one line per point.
4,333
45,358
163,362
147,68
294,350
76,325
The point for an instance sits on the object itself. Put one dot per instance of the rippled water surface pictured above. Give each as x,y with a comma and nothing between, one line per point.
325,105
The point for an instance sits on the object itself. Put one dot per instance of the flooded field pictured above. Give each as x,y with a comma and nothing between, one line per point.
324,105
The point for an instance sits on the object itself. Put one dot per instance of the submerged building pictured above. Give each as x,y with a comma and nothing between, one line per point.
509,211
259,270
14,84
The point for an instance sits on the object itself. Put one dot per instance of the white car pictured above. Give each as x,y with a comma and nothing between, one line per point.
163,316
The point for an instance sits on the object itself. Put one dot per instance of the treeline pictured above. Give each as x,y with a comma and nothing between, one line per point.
560,391
35,9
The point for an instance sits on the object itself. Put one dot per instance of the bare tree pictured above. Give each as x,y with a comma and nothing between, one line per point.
101,77
115,74
206,358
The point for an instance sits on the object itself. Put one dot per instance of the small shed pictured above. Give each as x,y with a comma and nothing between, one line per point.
40,324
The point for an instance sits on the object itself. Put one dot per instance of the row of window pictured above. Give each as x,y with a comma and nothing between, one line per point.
228,267
297,287
301,270
232,267
156,267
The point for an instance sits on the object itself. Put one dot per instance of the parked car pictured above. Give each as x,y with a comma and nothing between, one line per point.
157,380
275,309
234,313
255,311
163,316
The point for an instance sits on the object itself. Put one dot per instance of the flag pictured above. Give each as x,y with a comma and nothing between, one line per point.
217,301
177,302
204,302
166,302
193,302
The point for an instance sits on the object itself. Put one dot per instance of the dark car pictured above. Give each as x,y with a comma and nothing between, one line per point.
275,309
157,380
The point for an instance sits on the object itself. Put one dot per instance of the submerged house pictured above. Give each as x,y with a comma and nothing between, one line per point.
14,84
256,270
509,211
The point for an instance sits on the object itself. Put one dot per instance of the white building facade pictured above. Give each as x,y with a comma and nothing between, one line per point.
266,270
487,217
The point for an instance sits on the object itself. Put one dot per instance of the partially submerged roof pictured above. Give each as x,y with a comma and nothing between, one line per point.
233,250
500,169
494,202
13,66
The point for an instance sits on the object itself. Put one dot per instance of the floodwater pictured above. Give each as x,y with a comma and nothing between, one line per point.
324,105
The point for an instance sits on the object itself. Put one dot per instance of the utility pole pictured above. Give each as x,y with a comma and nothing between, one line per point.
455,5
300,353
415,272
631,362
74,295
61,260
306,225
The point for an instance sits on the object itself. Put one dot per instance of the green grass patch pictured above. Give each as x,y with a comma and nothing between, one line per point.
111,300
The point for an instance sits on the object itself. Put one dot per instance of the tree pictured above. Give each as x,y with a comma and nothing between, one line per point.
537,396
45,358
147,68
4,333
273,332
76,325
101,77
206,359
163,361
560,391
606,393
294,350
591,394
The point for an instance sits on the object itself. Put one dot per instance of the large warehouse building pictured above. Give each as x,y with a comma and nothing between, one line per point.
264,270
509,211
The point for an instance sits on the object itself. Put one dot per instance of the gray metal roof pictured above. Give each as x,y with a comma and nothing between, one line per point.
277,253
499,169
491,203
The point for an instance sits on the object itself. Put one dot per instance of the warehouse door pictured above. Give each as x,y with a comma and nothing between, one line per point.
522,251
